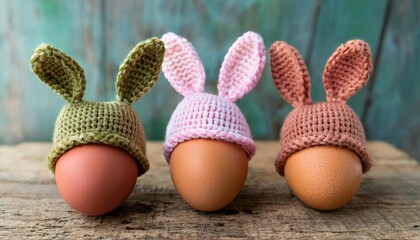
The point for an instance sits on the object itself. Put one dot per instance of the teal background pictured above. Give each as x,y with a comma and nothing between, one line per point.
99,34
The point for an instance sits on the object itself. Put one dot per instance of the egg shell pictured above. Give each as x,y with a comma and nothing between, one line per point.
324,177
94,178
208,174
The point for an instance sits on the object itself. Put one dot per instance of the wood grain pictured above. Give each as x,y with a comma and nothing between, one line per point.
204,24
99,34
387,205
28,108
395,102
339,22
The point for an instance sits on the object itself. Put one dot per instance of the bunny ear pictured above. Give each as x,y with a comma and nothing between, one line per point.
242,67
140,70
182,66
347,70
290,74
62,73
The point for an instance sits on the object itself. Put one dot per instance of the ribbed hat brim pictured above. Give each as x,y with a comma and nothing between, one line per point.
342,140
246,143
103,138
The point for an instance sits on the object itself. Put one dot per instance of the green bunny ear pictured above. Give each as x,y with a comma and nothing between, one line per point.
140,70
62,73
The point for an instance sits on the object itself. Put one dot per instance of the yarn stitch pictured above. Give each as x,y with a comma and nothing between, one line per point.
204,115
332,122
113,123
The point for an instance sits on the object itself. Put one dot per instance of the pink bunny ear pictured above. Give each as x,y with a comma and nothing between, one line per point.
242,67
290,74
347,70
182,66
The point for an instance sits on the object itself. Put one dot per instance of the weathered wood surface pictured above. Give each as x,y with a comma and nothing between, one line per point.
99,34
393,110
387,205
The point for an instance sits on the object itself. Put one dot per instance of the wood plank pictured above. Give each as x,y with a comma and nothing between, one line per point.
339,22
28,107
204,24
290,21
387,205
394,112
99,34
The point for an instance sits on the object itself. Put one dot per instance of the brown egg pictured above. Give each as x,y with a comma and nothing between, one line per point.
324,177
208,174
95,179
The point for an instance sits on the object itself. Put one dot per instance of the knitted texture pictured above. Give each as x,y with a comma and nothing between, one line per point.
203,115
333,122
112,123
62,73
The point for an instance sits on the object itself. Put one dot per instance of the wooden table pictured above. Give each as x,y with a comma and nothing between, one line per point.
386,206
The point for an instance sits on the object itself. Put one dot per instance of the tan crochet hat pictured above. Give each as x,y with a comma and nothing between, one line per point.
113,123
333,122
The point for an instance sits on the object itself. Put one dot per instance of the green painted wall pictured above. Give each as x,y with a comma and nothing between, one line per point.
99,34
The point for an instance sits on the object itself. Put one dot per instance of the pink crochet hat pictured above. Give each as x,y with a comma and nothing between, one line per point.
333,122
204,115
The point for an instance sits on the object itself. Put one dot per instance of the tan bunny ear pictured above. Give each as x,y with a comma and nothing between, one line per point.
347,70
62,73
290,74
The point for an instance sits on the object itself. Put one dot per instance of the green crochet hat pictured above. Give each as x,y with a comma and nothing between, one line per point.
113,123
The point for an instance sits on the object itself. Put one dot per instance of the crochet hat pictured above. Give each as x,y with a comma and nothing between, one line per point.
332,122
204,115
113,123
